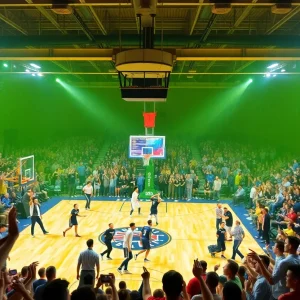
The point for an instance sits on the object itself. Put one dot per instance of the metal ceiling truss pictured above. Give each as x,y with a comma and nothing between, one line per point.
96,18
200,54
242,17
8,19
195,16
47,15
114,3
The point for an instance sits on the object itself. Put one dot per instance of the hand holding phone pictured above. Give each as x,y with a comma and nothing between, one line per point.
105,278
12,272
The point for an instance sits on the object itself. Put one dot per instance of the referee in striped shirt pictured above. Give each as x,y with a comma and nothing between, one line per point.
88,260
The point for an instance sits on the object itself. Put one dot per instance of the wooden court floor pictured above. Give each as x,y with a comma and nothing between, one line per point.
191,227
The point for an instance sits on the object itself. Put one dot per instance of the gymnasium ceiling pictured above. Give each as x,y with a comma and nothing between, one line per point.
30,25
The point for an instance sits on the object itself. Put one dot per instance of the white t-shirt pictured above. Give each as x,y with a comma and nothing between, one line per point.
135,203
128,238
217,185
88,189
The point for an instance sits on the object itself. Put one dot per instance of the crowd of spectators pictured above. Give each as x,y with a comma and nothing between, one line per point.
261,277
174,176
267,182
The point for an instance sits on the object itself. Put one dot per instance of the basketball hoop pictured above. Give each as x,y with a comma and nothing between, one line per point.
146,159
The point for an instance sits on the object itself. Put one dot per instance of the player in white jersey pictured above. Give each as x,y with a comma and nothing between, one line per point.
135,202
88,192
127,243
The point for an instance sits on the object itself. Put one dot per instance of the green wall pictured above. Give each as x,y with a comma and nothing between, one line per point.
39,108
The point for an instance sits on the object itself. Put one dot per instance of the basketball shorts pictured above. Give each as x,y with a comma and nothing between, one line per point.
146,244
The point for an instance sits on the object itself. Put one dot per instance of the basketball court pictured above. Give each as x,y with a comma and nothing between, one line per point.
183,234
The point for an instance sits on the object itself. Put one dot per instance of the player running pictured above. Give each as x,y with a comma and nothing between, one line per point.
145,237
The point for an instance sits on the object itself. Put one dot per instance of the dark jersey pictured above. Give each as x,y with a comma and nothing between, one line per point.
146,231
153,208
228,221
109,234
221,234
74,214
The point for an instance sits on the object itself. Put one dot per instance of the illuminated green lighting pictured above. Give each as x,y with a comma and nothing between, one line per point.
58,80
5,65
250,80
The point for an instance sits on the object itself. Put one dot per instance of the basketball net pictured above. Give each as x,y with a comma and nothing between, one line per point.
146,159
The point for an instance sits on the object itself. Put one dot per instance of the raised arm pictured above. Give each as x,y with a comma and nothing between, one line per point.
146,284
8,242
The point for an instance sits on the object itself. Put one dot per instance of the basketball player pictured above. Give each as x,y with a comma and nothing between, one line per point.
108,237
145,237
127,249
153,209
73,220
88,192
135,203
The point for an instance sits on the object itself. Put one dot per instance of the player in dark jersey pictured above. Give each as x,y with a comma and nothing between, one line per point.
145,237
221,237
73,220
153,209
108,237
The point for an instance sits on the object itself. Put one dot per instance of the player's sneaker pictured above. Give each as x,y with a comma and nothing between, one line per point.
101,256
146,260
109,258
126,272
135,256
120,271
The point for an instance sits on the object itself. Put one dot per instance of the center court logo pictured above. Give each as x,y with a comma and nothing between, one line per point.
159,238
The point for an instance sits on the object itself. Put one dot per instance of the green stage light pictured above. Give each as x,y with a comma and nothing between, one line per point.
250,80
58,80
5,65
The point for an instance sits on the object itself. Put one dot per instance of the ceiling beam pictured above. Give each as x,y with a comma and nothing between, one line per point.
116,3
195,17
211,64
241,18
200,54
13,24
283,20
48,16
96,18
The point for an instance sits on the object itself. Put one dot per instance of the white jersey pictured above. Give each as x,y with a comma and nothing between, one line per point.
88,189
128,238
135,203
